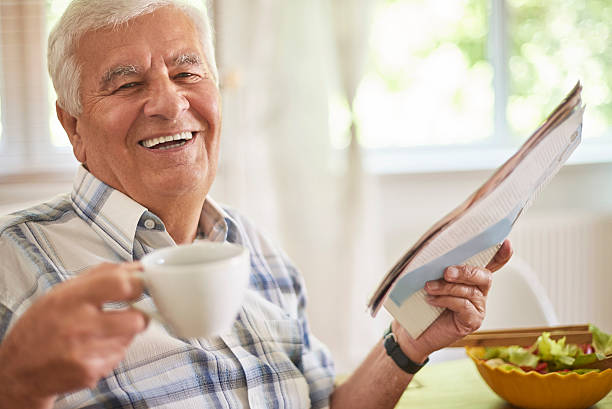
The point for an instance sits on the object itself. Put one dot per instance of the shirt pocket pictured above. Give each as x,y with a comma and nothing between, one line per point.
275,336
286,336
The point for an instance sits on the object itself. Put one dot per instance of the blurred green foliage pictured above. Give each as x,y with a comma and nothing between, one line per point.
427,59
550,46
553,44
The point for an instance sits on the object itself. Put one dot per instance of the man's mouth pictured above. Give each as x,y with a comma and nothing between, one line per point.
168,141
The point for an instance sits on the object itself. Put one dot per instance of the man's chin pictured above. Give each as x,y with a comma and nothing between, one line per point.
179,187
171,185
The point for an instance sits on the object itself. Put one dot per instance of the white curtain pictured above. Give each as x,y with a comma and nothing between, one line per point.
279,61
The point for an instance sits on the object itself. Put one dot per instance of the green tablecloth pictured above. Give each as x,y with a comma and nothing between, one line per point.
457,385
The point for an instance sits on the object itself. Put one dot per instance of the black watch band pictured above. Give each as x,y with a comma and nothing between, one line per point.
398,356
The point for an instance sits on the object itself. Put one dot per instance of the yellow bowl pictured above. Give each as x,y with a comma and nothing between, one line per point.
533,390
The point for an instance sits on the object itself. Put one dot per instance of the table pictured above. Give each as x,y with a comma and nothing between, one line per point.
458,385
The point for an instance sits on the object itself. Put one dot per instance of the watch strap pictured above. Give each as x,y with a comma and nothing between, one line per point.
395,352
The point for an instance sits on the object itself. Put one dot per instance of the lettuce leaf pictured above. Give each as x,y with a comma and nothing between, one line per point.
495,362
509,367
557,354
493,352
583,371
522,357
586,359
602,342
514,354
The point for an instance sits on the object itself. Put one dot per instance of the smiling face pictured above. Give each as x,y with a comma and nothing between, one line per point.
151,111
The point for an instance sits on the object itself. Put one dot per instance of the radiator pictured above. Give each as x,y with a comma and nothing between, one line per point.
571,253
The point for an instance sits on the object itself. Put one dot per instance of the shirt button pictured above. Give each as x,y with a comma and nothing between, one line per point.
149,224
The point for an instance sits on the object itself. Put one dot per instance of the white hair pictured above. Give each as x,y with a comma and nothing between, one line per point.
83,16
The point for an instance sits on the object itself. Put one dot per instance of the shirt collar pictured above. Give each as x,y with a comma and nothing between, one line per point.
116,217
214,221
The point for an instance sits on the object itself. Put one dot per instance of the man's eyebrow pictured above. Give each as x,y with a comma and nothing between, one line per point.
187,59
118,71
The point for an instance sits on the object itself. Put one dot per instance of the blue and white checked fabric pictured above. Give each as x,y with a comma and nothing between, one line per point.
269,360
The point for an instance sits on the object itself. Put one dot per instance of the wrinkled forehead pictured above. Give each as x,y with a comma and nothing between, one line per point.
166,33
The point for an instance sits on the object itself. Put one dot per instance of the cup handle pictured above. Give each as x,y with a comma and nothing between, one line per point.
151,314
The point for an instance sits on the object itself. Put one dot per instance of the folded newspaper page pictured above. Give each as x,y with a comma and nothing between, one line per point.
473,232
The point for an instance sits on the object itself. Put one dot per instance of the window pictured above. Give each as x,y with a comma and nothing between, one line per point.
55,8
476,76
27,145
428,60
551,44
468,76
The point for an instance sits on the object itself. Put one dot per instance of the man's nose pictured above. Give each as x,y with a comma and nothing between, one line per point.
165,100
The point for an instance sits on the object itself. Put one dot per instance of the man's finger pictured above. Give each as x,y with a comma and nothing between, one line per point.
468,313
109,282
127,322
469,275
442,287
501,257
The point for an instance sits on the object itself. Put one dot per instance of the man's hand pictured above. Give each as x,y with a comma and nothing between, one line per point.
463,295
463,292
65,341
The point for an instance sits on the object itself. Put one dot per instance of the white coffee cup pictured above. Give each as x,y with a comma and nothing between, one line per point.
198,288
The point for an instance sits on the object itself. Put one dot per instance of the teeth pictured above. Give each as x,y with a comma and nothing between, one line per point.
174,145
149,143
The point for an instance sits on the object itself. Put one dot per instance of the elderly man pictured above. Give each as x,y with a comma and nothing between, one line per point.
138,98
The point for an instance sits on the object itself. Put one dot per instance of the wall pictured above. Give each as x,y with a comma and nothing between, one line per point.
17,192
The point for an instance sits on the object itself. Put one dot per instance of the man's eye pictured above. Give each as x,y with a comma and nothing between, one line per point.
184,75
128,85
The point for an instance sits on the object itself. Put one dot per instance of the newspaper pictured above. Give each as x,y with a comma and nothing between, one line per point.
473,232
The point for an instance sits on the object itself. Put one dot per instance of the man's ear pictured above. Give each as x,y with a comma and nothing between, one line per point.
69,123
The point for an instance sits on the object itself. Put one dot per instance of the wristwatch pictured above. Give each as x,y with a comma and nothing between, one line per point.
398,356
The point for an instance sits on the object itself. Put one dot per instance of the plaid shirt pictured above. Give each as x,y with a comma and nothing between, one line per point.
269,360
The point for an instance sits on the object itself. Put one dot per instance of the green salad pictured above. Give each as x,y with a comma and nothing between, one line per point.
547,355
